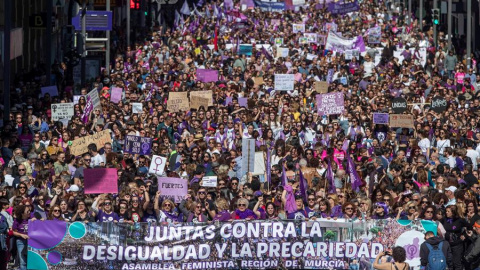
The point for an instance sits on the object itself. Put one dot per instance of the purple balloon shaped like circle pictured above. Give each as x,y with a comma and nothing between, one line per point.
46,234
54,257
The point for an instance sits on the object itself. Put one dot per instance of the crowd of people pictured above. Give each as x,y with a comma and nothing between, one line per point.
429,171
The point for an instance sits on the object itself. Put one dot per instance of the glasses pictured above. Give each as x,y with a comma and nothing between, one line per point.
424,202
56,210
134,201
167,204
123,207
22,188
379,207
311,199
234,184
242,204
21,170
329,198
340,196
348,208
107,203
412,207
428,212
202,192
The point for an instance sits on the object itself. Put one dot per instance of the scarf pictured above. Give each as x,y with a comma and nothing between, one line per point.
245,214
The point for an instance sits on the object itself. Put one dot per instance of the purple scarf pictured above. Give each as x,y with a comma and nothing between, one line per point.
245,214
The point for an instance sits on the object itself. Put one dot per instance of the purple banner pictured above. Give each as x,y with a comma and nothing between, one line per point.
88,109
116,95
243,102
331,103
207,75
174,189
380,118
343,8
138,145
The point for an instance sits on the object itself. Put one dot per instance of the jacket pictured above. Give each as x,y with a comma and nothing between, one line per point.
473,257
434,241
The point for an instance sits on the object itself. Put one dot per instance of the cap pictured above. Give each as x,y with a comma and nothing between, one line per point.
73,188
451,188
130,123
476,224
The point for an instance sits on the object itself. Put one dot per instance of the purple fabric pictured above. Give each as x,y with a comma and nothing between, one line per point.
303,187
352,172
330,178
223,216
290,205
245,214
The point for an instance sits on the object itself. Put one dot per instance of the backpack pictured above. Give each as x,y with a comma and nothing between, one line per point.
436,258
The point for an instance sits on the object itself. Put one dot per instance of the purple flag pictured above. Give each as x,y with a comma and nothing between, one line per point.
185,9
330,177
345,145
354,177
284,174
215,10
228,4
269,168
303,187
177,19
88,110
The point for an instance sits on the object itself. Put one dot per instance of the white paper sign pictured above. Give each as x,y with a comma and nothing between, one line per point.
95,99
157,166
284,82
282,52
209,181
311,56
137,107
62,111
298,28
259,167
76,98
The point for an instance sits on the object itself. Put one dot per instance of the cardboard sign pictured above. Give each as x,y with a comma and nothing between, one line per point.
207,75
205,94
116,95
209,181
284,82
174,189
399,105
51,90
258,81
157,166
80,146
95,99
197,102
401,120
259,166
321,87
178,101
138,145
98,181
331,103
62,111
380,118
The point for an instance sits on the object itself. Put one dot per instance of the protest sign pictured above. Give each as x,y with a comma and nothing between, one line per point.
401,120
298,2
259,166
243,102
302,40
228,101
197,102
399,105
380,118
321,39
248,155
282,52
157,166
116,95
321,87
331,103
339,44
174,189
51,90
80,145
298,28
95,99
245,49
243,244
439,104
311,56
270,6
311,37
279,41
62,111
207,75
101,180
204,94
137,107
178,101
343,8
349,54
258,81
209,181
284,82
137,145
330,27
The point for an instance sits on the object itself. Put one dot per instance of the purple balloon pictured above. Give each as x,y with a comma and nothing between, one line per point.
46,234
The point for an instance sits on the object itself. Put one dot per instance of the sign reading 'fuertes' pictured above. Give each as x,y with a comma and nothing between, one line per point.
399,105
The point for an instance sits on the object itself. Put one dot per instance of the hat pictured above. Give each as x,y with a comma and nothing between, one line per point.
476,224
211,129
73,188
198,137
30,107
451,188
130,123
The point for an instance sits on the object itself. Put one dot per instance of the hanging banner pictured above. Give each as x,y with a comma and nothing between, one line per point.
343,8
270,6
291,244
339,44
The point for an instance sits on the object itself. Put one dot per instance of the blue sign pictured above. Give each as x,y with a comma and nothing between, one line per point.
95,21
245,49
270,6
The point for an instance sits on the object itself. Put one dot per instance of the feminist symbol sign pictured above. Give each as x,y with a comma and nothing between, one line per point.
157,166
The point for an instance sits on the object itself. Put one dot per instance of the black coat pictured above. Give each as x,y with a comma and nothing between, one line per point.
435,241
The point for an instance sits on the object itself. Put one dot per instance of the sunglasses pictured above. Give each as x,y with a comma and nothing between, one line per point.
56,210
311,199
107,203
349,208
241,204
412,207
202,192
167,204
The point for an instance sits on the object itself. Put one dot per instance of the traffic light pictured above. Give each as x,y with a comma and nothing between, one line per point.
436,16
134,4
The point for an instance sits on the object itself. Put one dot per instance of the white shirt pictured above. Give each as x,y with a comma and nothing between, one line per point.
424,144
441,144
96,160
474,156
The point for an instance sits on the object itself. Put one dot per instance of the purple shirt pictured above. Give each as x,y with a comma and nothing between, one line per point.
104,217
21,227
223,216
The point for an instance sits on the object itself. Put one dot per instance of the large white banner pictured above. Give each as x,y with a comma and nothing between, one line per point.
341,44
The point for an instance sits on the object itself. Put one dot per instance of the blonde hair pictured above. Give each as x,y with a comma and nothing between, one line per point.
222,204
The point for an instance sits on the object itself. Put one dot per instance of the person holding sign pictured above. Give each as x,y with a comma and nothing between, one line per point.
166,212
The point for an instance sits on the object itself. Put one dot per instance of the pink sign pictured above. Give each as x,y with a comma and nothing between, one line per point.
116,95
97,181
173,188
207,75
